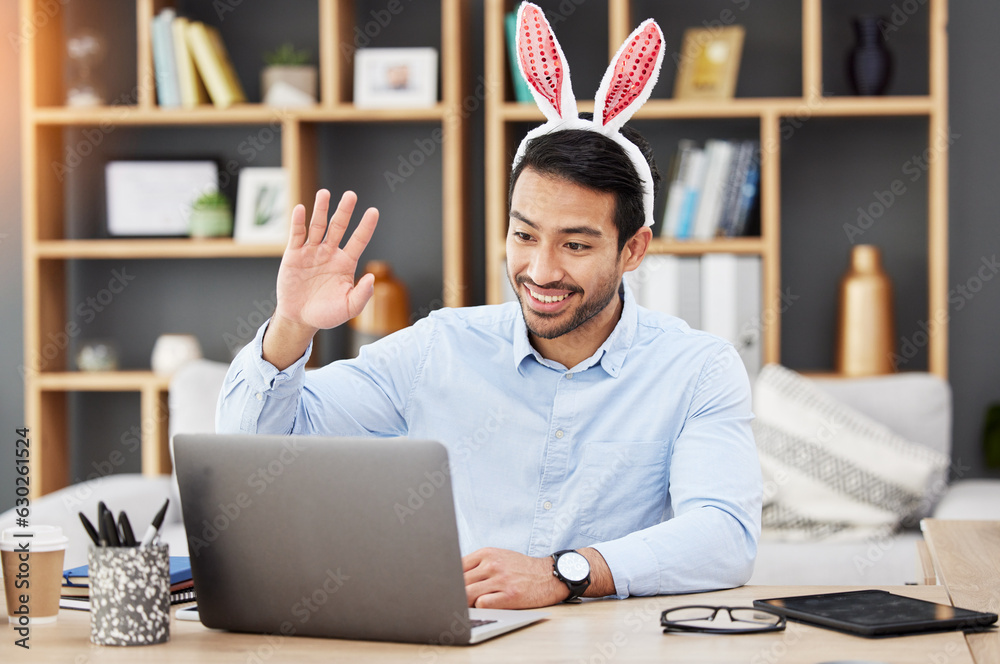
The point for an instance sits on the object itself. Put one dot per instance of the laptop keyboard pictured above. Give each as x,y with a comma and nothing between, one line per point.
479,623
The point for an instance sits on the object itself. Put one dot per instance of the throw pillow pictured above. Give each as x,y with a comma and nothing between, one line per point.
830,471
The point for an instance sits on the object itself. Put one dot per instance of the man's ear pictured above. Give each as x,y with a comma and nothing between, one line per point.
636,247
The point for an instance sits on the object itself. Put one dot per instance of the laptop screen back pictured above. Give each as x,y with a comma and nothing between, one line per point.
350,538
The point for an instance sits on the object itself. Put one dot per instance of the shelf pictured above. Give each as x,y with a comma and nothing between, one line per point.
732,245
506,121
100,381
154,248
239,114
51,204
660,109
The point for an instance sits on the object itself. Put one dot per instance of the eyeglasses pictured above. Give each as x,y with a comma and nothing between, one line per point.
721,620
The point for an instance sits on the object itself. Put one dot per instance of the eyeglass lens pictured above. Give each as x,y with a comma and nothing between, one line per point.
710,617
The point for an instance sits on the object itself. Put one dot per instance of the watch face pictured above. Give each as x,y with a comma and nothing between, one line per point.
573,566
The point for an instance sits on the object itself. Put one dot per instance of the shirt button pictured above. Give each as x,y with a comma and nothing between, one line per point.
260,397
559,434
569,376
547,505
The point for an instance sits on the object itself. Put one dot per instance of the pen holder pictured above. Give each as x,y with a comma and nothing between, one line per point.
129,595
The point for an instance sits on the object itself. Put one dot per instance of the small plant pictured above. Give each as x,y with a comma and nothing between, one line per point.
286,55
210,216
211,200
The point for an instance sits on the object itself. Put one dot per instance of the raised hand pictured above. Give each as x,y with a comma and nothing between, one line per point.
316,288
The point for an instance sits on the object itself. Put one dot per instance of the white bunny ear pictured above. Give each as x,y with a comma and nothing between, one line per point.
630,77
543,65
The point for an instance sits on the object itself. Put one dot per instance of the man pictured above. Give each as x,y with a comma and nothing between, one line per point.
575,420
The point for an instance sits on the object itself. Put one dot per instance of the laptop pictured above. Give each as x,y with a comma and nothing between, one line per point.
349,538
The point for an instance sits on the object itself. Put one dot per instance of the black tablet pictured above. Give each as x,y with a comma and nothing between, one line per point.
876,613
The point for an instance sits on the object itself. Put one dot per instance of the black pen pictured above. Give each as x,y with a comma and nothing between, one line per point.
89,527
110,531
147,539
102,528
128,538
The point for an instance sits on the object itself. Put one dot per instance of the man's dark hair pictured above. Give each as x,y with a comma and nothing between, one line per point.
594,161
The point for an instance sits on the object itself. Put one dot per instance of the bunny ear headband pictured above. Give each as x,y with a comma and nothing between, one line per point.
625,87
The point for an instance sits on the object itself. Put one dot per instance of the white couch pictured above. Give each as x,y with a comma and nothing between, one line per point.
915,405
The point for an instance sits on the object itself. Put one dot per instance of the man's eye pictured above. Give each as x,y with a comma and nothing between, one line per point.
575,246
521,236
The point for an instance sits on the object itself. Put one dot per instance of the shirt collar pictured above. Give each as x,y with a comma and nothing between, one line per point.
610,355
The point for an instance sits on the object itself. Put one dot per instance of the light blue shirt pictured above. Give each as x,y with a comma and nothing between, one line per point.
643,451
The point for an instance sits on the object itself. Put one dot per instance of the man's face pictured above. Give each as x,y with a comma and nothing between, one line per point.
562,254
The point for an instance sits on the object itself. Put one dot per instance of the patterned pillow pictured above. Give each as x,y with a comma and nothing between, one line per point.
830,471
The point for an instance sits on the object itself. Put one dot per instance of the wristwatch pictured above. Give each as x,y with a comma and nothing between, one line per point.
573,569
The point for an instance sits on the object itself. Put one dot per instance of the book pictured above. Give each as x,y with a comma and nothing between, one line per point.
693,180
679,167
180,572
82,603
521,90
192,88
745,152
214,65
748,199
719,157
689,290
749,314
655,283
731,304
164,60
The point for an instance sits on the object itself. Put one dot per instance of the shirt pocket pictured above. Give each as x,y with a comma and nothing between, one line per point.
622,488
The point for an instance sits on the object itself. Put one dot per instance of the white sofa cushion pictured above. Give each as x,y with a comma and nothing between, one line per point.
829,470
971,499
915,405
139,496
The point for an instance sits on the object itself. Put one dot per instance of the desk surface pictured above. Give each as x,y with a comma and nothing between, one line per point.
966,557
595,632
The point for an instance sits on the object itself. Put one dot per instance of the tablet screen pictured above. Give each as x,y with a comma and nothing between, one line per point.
874,612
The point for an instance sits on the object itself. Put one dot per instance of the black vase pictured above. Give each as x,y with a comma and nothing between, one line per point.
869,65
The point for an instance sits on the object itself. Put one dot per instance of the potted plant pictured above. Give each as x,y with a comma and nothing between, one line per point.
288,79
211,216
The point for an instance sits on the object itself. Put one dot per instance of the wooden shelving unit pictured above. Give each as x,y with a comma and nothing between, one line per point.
48,378
502,137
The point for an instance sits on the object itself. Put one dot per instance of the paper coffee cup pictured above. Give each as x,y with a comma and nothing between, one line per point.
32,562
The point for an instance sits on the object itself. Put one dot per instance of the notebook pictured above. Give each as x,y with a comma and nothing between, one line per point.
75,592
317,536
180,570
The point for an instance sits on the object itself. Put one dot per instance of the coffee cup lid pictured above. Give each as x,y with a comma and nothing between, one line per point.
39,539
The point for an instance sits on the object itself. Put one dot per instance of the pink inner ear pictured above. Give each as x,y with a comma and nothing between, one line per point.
540,57
632,72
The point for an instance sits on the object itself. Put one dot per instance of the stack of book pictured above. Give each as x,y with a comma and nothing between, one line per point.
75,592
718,293
712,189
191,64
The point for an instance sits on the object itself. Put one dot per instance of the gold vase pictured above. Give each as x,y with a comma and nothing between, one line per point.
386,312
866,332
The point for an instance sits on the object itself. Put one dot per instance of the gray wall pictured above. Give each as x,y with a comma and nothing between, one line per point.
830,167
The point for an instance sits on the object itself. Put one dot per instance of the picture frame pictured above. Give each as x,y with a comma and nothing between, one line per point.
262,210
709,63
154,198
395,77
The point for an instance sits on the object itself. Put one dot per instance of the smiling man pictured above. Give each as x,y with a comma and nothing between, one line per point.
596,448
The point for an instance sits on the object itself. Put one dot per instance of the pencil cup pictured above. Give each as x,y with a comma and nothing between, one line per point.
129,595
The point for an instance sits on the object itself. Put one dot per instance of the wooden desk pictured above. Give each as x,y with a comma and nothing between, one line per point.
596,632
966,558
